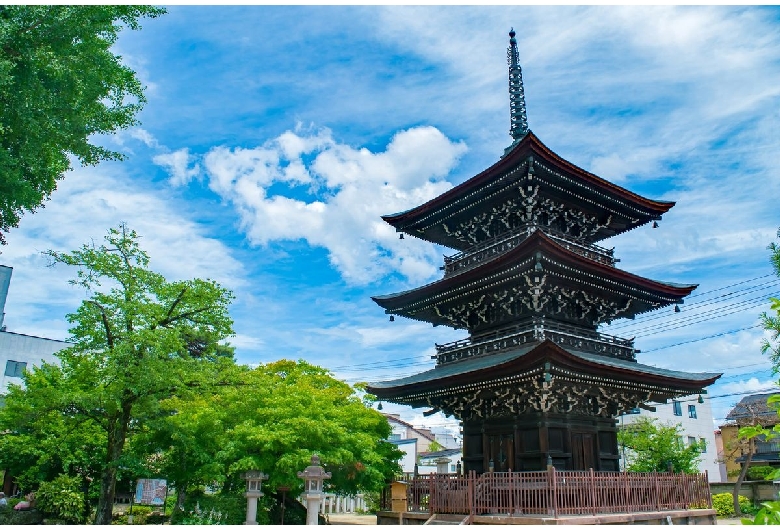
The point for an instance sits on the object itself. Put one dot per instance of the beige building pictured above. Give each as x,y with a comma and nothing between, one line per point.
751,410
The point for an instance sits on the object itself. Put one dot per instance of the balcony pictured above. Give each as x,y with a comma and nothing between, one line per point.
486,250
536,330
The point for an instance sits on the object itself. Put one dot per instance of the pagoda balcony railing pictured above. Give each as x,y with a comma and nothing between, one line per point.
486,250
536,330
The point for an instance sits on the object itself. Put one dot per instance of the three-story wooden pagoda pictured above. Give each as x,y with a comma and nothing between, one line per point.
535,382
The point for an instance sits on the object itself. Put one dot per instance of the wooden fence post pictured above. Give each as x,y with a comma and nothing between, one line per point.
431,494
593,491
471,498
552,486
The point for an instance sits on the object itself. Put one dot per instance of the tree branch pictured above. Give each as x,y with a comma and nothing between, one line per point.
106,324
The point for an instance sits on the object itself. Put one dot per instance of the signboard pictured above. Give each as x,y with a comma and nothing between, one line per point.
151,491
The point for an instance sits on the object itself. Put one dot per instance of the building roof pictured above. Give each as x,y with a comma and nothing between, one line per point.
441,454
394,418
752,409
529,152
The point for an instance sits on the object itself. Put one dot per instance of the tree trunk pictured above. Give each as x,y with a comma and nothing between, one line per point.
116,442
741,478
181,496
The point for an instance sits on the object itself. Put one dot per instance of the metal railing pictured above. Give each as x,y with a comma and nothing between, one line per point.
536,329
555,493
485,250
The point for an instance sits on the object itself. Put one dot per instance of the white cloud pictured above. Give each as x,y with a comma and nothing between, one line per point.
177,164
86,204
143,135
335,194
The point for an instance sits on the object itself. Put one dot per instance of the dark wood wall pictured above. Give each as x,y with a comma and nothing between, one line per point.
523,443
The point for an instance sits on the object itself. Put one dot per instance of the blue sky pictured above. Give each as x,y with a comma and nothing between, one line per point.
275,137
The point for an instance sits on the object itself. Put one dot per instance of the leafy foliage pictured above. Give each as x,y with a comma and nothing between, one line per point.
129,352
723,504
272,418
768,514
653,447
771,322
222,509
760,472
59,85
140,515
62,498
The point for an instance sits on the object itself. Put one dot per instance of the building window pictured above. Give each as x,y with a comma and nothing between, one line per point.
703,445
691,440
677,408
692,411
14,368
395,437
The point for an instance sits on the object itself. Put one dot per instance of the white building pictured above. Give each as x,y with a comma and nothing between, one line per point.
18,352
694,414
408,447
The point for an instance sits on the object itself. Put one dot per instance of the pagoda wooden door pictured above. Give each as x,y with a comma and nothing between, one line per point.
583,450
501,451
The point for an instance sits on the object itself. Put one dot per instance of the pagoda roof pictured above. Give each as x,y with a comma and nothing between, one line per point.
421,220
521,259
486,368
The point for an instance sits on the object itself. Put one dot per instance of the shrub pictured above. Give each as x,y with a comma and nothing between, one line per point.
759,472
221,508
140,515
768,514
27,517
62,498
723,503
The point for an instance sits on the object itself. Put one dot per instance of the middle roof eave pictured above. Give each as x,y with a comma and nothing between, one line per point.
536,241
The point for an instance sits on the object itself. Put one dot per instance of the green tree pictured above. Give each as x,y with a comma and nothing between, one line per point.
771,321
651,447
129,348
59,85
41,441
273,418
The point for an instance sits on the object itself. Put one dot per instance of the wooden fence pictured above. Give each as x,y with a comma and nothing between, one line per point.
557,493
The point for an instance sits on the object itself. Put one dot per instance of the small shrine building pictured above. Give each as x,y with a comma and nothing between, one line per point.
534,383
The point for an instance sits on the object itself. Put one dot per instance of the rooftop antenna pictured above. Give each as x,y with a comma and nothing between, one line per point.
518,117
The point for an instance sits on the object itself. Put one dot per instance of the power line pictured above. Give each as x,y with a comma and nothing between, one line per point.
702,338
761,286
694,307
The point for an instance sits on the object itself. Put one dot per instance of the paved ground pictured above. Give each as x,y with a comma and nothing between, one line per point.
351,518
729,521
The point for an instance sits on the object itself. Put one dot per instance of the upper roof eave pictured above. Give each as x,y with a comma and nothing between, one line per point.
529,143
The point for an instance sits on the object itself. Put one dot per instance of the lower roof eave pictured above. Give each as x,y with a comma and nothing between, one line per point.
530,358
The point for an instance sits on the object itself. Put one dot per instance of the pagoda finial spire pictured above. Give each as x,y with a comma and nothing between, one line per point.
518,117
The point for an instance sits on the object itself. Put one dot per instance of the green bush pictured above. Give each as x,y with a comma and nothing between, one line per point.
222,508
13,517
62,498
140,515
759,472
723,503
768,514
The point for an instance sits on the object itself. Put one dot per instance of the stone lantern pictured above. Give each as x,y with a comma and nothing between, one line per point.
254,481
312,477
